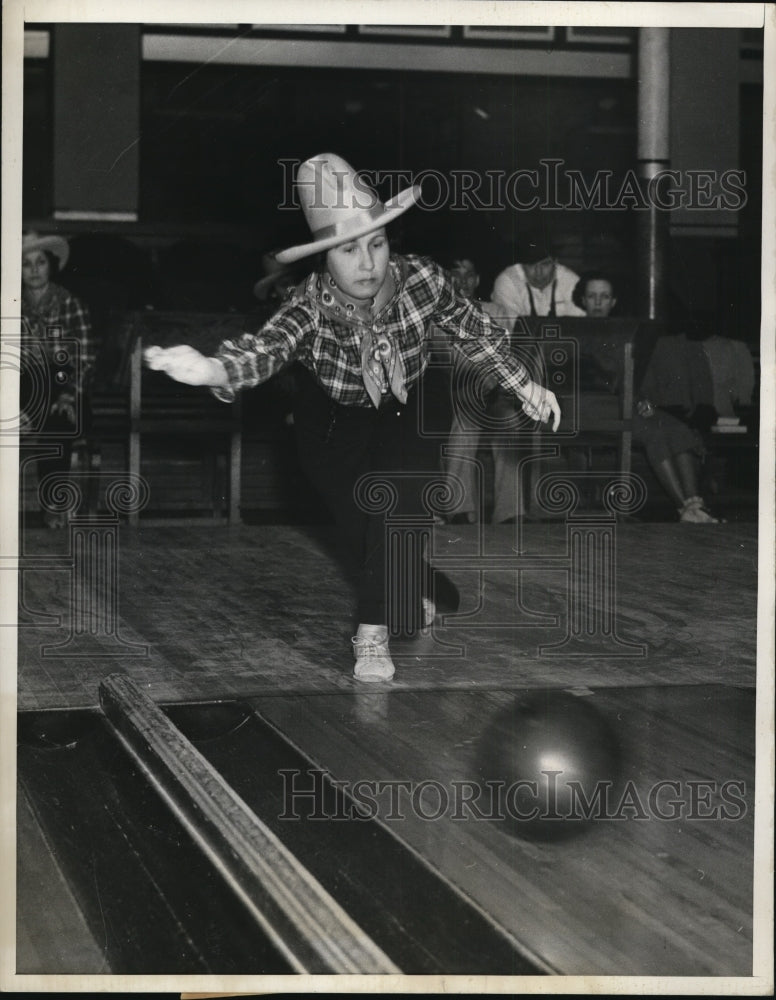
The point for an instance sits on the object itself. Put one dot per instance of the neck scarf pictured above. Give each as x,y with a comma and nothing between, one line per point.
382,368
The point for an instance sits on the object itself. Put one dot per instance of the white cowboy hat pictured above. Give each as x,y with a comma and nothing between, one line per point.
55,244
339,206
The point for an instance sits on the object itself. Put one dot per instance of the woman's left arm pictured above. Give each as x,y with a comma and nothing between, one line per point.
486,344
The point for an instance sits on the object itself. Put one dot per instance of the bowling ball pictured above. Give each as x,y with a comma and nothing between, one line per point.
550,762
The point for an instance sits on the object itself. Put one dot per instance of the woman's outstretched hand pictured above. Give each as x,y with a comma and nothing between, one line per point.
185,364
540,404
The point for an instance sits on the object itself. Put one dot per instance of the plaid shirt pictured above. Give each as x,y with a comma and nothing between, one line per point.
59,315
330,346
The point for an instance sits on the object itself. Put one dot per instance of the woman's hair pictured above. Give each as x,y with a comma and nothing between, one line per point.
584,280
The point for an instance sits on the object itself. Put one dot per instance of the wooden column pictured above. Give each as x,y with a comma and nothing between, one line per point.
653,156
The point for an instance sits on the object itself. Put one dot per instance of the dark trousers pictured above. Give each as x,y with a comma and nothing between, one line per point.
339,444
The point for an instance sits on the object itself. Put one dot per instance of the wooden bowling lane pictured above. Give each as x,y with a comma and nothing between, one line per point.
108,881
197,791
284,900
665,888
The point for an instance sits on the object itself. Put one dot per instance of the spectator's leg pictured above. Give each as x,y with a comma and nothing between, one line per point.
508,488
687,469
459,462
670,480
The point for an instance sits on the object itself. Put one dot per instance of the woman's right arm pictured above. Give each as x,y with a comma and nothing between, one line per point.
238,364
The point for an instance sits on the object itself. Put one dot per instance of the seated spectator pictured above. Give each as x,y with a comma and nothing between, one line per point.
700,374
537,285
50,315
673,448
732,373
594,295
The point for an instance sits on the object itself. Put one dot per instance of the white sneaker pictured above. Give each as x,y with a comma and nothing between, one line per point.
694,512
429,612
373,659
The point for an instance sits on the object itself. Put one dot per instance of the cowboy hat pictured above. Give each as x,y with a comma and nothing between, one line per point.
54,244
339,207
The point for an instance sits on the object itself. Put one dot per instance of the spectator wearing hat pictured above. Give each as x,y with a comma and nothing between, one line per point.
537,285
360,327
50,314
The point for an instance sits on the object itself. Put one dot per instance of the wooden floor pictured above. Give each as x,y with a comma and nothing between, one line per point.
264,613
208,613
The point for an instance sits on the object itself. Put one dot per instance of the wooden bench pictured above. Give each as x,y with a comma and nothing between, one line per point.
163,408
594,386
149,405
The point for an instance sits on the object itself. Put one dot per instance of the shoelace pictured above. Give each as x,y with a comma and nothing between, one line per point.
370,647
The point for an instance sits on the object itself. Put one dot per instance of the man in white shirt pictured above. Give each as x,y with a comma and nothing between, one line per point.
536,286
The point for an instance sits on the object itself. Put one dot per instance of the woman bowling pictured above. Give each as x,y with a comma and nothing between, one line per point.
359,325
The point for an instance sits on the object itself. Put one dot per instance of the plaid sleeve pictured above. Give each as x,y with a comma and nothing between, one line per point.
253,358
77,324
475,335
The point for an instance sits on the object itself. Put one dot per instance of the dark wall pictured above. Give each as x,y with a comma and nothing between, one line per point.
212,140
37,124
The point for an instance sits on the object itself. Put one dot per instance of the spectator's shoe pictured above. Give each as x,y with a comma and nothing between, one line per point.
694,512
373,659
